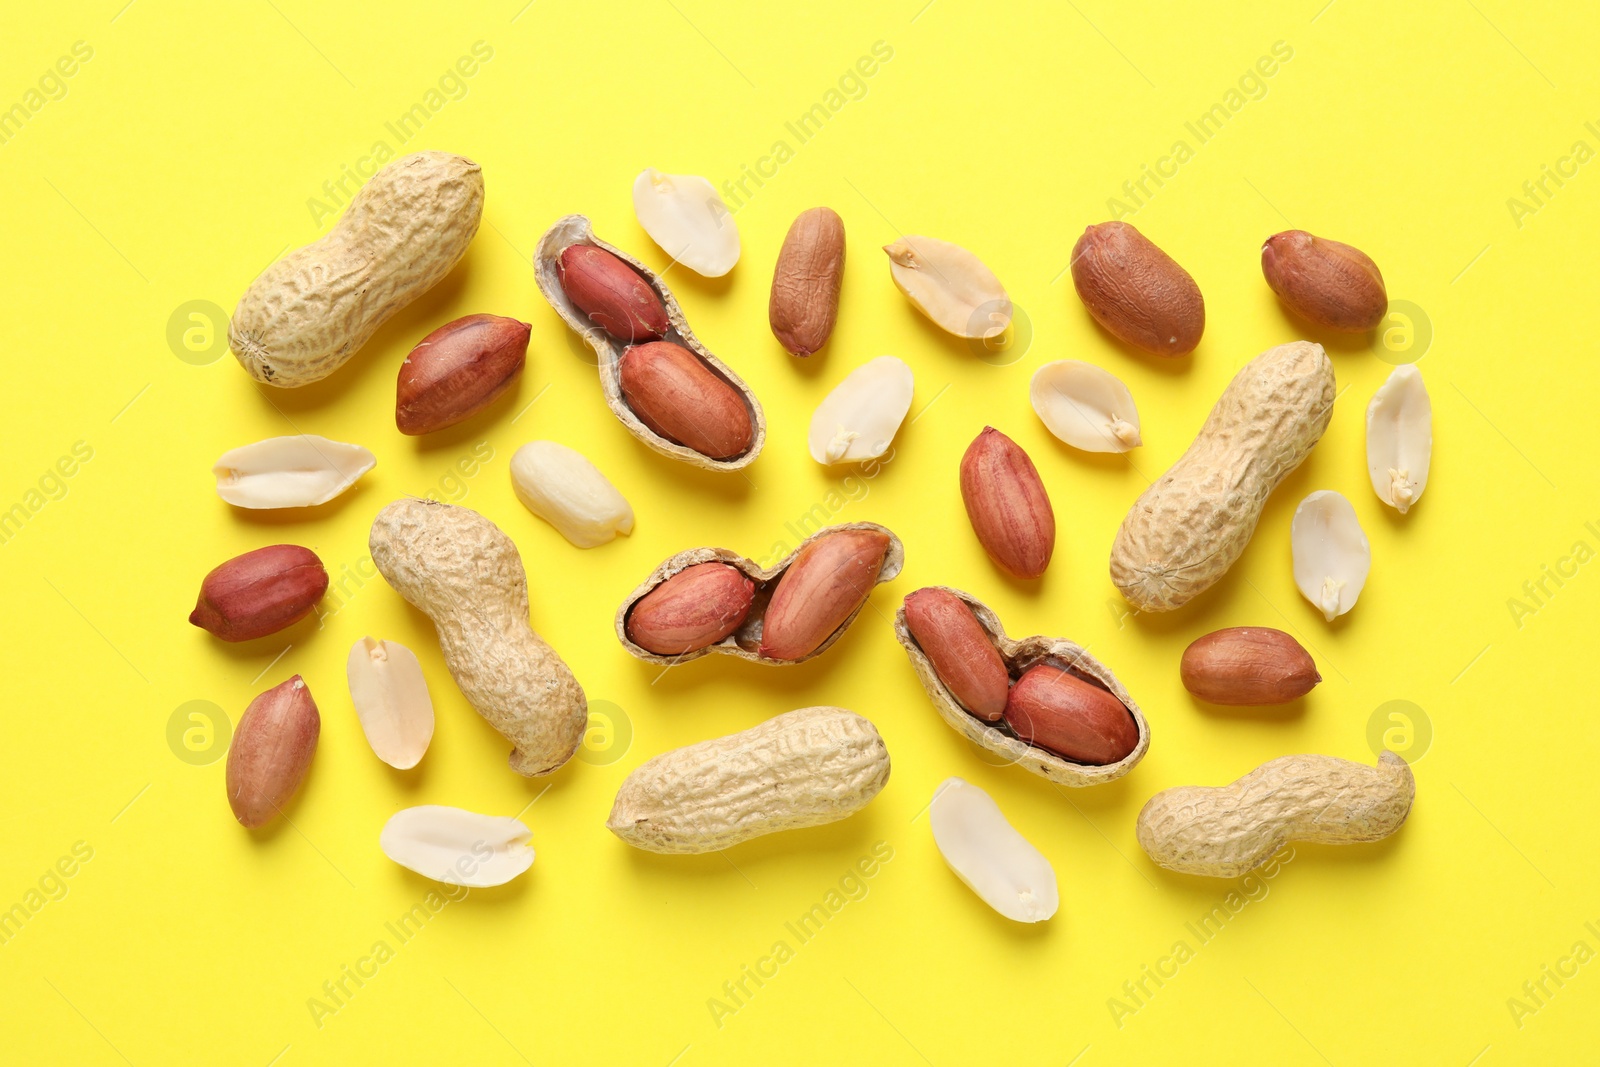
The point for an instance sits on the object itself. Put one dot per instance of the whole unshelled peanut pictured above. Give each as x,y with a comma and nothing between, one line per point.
1325,282
675,394
1248,666
697,607
271,749
961,651
612,294
829,579
1007,504
805,283
1056,710
260,592
457,371
1136,291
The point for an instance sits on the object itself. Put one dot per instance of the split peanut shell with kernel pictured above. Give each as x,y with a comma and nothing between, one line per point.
575,230
750,639
1020,656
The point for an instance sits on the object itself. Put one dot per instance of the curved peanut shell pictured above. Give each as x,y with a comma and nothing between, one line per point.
802,768
1229,830
575,229
1019,655
309,312
459,569
1187,529
745,641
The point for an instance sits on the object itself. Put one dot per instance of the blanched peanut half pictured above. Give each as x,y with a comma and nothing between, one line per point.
297,471
684,215
563,488
1331,553
457,847
858,420
988,854
1400,438
392,701
951,286
1085,406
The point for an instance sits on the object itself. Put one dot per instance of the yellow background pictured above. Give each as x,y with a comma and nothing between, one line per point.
180,160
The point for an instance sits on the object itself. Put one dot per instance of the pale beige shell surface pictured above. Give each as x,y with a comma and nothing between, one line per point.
744,641
575,229
1019,656
1187,529
802,768
1226,831
309,312
460,570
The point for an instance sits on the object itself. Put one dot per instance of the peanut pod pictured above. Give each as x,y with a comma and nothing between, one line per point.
665,603
1020,657
575,230
460,570
802,768
1229,830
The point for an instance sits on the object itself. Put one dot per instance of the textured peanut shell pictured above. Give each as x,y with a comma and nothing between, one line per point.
1187,529
1226,831
575,229
1019,655
802,768
744,641
309,312
459,569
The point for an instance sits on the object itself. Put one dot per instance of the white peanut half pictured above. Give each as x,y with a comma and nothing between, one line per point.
456,846
563,488
802,768
988,854
459,569
297,471
1226,831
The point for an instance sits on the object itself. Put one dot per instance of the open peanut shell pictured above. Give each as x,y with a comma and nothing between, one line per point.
744,641
1019,656
575,229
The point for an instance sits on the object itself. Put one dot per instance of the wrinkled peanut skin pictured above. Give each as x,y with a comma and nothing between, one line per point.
1248,666
1325,282
464,573
697,607
1077,720
1227,831
829,579
805,283
960,650
309,312
1136,291
1007,504
673,392
1185,531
